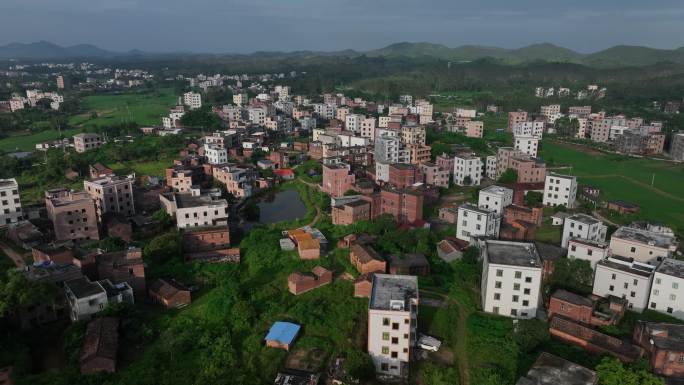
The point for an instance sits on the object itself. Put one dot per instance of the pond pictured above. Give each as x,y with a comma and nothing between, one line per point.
285,205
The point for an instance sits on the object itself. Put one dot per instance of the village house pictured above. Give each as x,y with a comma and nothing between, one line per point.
86,141
583,226
73,215
209,244
86,298
170,293
100,346
363,284
351,212
409,264
337,179
643,245
123,266
560,190
299,283
667,293
282,335
392,323
515,213
511,278
588,250
448,214
112,194
495,198
308,247
549,369
10,204
196,208
474,222
366,260
664,346
625,278
589,311
451,248
623,207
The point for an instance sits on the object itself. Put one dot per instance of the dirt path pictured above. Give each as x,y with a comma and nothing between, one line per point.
17,258
460,349
604,219
318,211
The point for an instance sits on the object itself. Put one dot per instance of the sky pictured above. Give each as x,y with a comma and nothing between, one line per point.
244,26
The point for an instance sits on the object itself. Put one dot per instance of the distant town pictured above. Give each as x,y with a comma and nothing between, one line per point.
247,230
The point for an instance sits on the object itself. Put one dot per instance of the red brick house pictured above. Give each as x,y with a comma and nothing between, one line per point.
298,283
170,293
100,346
351,212
586,310
402,175
363,285
123,266
518,231
593,340
406,205
623,207
521,213
58,254
209,244
664,345
366,260
409,264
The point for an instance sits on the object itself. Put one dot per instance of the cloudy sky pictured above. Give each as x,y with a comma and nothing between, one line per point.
243,26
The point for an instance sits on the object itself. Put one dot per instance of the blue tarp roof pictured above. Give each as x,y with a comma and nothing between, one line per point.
283,332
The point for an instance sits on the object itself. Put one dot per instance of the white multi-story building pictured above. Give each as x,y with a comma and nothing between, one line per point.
325,110
491,167
465,113
257,115
527,144
392,322
495,198
192,100
529,128
87,298
382,171
389,149
474,222
560,190
10,203
195,208
511,278
307,123
624,278
353,122
643,245
587,250
583,226
667,292
550,110
215,154
467,170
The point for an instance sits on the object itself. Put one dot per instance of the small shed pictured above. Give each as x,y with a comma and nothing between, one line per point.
558,218
282,335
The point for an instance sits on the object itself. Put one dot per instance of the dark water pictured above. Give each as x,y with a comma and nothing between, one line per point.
285,205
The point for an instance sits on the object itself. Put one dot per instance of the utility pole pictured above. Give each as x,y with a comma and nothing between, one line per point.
652,179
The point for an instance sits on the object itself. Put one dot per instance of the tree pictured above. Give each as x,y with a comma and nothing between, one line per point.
572,274
163,218
201,118
509,176
471,255
566,126
164,248
531,333
612,372
351,192
17,291
467,181
534,199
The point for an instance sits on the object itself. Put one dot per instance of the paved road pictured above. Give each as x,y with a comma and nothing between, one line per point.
17,258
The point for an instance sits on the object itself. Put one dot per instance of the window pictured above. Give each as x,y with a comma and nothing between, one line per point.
669,310
395,340
656,291
526,291
395,354
514,312
495,310
518,274
625,285
526,303
675,285
613,277
633,249
385,336
516,286
673,297
395,326
590,252
515,298
497,296
497,285
384,367
635,282
385,322
611,288
528,279
385,350
499,273
632,294
653,305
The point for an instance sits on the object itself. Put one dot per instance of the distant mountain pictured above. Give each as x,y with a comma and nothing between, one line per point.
618,56
47,50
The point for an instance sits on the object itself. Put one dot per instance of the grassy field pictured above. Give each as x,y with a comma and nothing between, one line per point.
155,168
28,142
625,178
141,108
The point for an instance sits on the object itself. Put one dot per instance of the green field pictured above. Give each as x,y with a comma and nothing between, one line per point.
28,142
154,168
141,108
625,178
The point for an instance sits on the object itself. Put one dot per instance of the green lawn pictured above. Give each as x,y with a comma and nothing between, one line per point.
141,108
27,142
628,179
155,168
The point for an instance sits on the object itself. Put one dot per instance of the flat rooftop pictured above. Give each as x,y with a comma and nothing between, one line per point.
523,254
82,287
644,236
553,370
584,218
184,200
388,288
671,266
472,207
627,265
494,189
